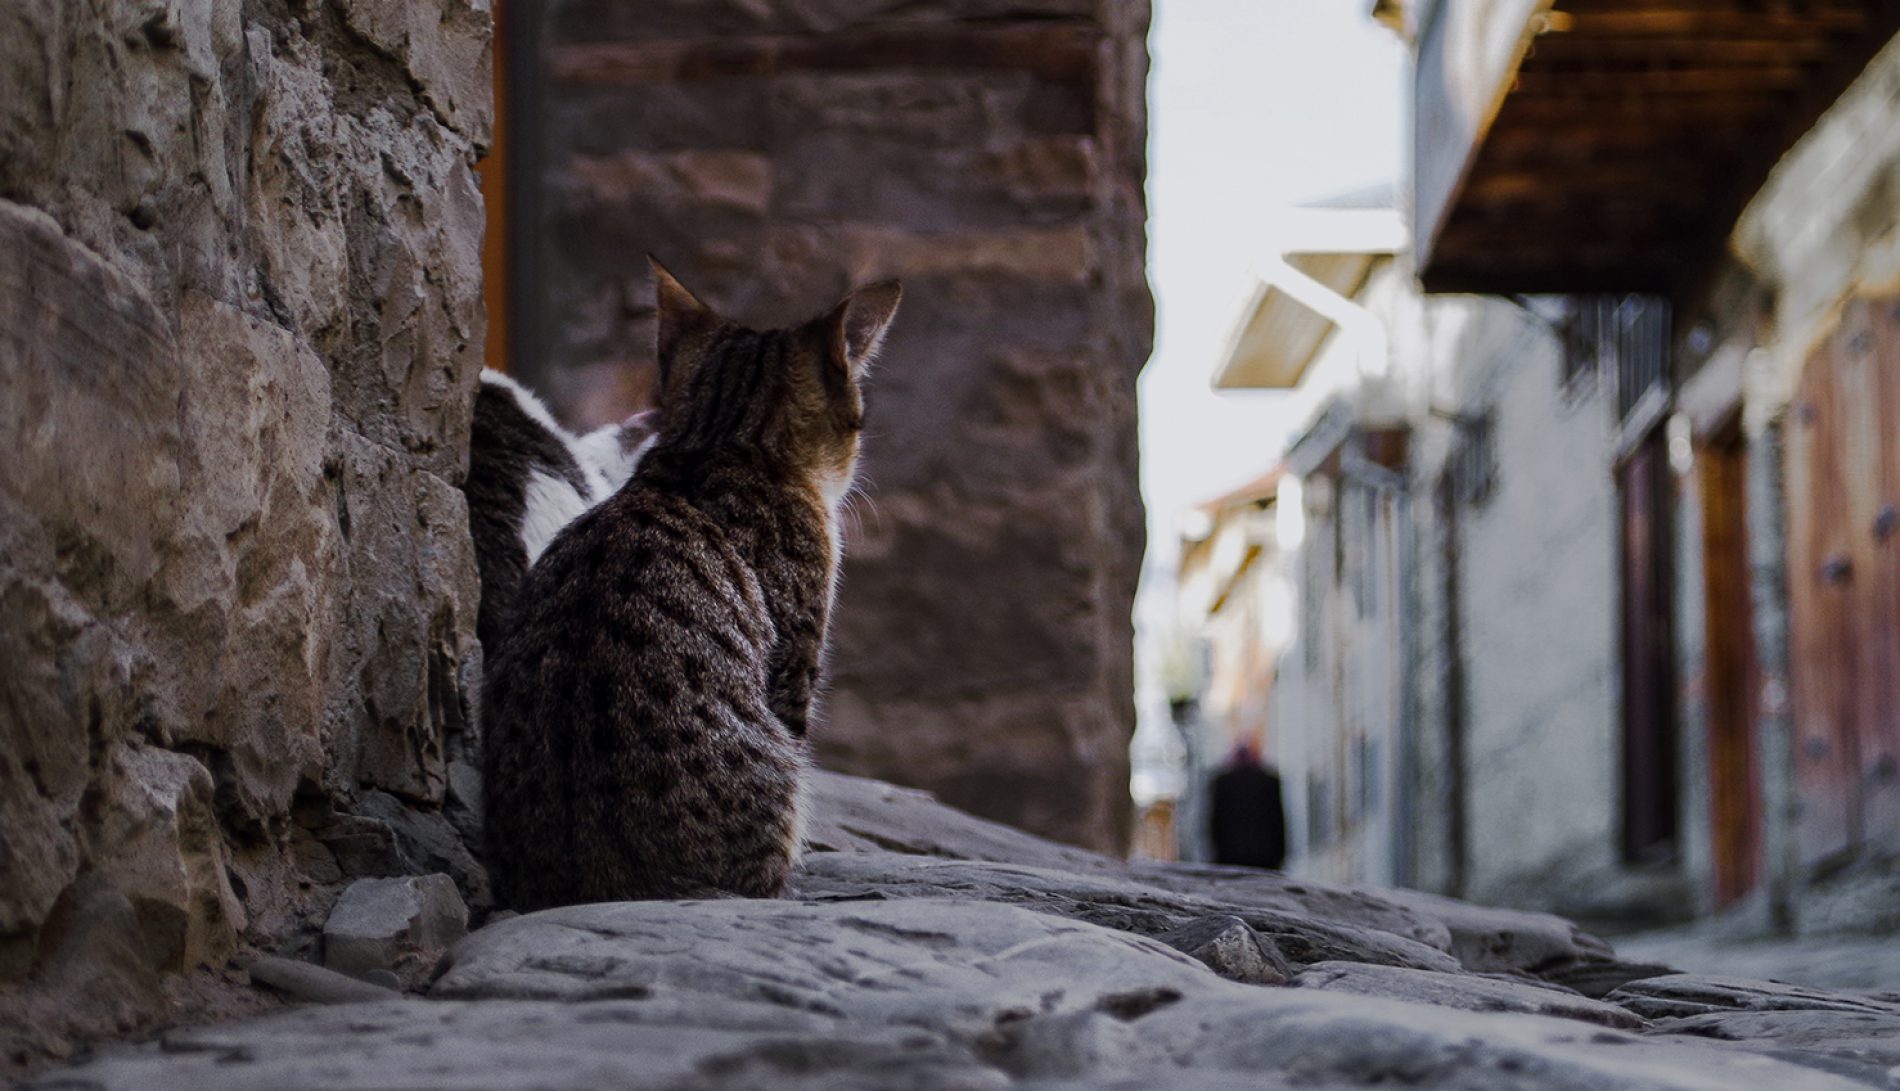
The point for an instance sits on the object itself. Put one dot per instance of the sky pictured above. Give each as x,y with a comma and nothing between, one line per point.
1254,106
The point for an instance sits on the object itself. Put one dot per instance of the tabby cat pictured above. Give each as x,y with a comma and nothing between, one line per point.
527,478
646,715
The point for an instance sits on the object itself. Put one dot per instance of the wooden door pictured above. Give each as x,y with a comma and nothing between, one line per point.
1731,677
1844,585
1879,535
1649,720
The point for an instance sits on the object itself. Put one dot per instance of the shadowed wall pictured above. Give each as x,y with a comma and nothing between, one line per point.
240,320
991,154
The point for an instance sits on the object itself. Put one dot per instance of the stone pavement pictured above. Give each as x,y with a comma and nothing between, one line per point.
1869,962
925,949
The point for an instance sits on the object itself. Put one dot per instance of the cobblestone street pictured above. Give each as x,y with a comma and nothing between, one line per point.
1836,962
975,955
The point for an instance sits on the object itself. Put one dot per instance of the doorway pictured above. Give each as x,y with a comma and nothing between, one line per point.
1731,676
1649,709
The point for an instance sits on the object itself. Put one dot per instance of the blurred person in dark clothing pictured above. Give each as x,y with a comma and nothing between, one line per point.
1246,820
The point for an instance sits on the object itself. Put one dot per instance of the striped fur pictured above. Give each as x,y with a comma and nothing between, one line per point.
646,716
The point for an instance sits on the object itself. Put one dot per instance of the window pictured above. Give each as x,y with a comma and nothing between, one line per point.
1366,796
1623,337
1640,329
1582,328
1475,461
1319,811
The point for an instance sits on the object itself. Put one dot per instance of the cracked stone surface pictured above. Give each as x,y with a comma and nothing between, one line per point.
1470,992
924,993
1231,948
1052,970
1120,903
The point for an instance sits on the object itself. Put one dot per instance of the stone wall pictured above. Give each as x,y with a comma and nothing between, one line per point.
240,318
989,152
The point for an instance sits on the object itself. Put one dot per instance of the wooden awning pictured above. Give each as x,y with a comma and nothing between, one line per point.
1280,334
1610,145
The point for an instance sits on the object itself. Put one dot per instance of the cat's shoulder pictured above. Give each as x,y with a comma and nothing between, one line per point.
499,392
514,428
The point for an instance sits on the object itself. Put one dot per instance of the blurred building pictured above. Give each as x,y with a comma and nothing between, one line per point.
1447,706
992,156
1236,616
1598,562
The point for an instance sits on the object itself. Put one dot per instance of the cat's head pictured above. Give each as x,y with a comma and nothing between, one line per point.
792,397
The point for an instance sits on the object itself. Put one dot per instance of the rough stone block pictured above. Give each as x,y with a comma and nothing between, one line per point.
1228,947
313,984
240,320
401,925
428,841
443,47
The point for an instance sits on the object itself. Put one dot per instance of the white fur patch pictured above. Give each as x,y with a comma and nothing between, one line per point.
606,463
801,812
834,487
553,503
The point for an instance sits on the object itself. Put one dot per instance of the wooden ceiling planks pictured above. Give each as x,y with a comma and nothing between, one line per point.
1633,132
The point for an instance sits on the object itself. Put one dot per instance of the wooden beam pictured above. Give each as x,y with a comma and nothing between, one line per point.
1634,82
1669,180
1635,132
1610,51
1750,7
1609,139
1675,23
1781,131
1555,110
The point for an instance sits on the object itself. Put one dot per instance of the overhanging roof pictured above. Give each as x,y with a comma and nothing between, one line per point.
1279,334
1609,145
1261,490
1327,251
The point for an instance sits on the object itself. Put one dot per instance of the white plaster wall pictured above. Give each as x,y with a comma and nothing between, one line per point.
1540,604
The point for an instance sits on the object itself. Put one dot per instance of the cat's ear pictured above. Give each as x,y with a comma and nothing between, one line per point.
681,313
856,327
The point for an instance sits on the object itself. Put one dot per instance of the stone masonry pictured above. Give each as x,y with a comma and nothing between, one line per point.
990,153
240,319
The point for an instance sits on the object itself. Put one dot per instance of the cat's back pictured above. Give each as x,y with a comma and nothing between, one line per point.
629,731
646,556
